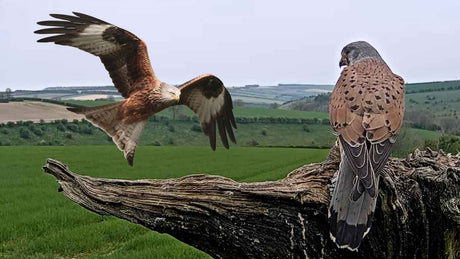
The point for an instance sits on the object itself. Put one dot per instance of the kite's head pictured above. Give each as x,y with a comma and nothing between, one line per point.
357,51
169,93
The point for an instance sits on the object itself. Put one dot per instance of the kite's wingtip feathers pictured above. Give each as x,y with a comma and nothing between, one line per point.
130,159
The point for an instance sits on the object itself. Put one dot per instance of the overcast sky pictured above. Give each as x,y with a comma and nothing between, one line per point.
241,41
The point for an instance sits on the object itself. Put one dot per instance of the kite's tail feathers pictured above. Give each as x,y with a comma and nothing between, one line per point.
105,116
350,220
110,119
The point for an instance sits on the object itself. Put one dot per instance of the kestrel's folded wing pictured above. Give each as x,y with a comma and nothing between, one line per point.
124,55
210,100
366,109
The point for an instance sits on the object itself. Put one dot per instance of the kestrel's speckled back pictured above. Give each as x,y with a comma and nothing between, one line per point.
366,111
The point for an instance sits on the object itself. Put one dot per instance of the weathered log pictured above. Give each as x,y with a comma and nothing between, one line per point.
417,215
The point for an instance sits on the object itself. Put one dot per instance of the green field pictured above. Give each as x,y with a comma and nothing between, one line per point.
440,103
38,222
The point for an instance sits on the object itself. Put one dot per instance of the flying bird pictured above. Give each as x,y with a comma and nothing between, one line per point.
366,112
125,57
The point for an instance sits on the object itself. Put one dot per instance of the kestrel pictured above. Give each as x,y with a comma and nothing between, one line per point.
125,57
366,112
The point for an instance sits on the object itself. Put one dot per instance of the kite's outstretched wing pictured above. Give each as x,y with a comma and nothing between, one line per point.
124,55
210,100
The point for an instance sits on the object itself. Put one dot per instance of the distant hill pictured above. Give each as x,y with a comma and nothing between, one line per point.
278,94
431,105
432,86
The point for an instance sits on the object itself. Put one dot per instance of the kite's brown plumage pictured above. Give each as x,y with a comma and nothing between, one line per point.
125,57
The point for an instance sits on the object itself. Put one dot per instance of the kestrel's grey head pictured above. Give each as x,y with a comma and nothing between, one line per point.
357,51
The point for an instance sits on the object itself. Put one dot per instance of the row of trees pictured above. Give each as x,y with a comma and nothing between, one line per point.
6,96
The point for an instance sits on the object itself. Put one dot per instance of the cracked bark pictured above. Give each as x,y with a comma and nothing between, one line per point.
417,214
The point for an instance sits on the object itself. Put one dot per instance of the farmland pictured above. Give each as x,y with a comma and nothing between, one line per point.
38,222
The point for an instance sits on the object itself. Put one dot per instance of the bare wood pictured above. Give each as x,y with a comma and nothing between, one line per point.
417,215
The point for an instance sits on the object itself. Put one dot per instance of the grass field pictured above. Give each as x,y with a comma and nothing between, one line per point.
38,222
440,103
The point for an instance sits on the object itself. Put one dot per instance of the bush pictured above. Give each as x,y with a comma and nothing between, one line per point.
156,143
252,143
36,130
450,144
10,124
171,128
61,127
4,131
72,127
85,130
431,143
68,136
196,128
264,132
306,128
24,133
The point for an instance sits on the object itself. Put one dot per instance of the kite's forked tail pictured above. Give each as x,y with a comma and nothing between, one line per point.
110,119
350,220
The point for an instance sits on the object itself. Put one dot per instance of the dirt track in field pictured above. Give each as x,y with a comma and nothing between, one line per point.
34,111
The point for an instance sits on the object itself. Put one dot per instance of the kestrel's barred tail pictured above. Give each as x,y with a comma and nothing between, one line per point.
109,118
350,219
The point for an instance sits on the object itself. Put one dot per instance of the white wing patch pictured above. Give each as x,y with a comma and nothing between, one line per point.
91,40
206,109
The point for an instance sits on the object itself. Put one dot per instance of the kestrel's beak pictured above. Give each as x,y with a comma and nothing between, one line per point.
343,62
176,97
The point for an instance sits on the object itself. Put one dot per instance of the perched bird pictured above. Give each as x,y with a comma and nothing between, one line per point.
366,112
125,57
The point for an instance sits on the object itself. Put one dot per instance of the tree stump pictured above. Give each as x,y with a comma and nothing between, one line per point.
417,214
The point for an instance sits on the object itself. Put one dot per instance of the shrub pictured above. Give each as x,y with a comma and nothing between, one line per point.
61,127
4,131
306,128
85,130
431,143
450,144
72,127
252,143
36,130
24,133
171,128
264,132
196,128
69,136
10,124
